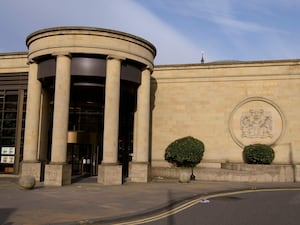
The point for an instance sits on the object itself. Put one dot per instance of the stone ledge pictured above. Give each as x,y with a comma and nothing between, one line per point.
237,173
256,167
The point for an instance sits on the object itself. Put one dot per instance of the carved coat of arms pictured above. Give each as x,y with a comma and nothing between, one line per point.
256,123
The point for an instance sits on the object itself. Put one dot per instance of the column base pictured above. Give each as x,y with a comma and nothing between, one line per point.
110,174
139,172
58,174
297,172
32,169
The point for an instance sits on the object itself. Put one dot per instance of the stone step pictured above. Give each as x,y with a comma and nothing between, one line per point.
209,174
255,167
234,173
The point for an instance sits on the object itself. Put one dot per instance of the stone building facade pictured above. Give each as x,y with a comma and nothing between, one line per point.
228,105
95,104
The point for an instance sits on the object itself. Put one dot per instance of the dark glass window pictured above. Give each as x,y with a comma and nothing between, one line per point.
11,137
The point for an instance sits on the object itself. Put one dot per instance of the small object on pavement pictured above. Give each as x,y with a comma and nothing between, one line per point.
27,182
204,201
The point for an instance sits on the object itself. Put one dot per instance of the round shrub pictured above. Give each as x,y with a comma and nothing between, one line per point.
185,152
258,154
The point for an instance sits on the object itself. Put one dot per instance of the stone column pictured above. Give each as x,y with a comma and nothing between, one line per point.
139,167
31,165
58,172
110,171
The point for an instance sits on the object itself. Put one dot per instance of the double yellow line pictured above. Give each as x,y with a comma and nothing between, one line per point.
197,201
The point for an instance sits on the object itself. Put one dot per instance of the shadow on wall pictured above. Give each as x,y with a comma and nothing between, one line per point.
152,105
4,215
153,91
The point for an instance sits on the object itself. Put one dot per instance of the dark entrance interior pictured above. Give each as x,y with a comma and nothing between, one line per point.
86,118
84,159
86,125
128,97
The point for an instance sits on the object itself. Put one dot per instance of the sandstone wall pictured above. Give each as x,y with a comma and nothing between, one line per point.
227,106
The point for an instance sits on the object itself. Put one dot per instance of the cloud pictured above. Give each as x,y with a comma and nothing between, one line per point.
225,13
242,30
126,15
180,29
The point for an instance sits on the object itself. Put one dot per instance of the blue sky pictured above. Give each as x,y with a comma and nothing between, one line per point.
180,29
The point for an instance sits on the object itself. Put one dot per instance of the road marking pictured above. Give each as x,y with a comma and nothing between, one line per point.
193,202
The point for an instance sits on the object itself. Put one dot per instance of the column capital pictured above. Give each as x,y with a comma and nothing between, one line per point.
150,69
31,61
115,57
61,53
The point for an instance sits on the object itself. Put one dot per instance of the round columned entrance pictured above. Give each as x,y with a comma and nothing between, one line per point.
89,94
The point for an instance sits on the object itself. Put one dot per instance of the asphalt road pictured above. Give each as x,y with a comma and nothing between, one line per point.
255,208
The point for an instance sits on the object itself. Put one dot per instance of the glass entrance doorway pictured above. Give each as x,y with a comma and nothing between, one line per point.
86,125
84,159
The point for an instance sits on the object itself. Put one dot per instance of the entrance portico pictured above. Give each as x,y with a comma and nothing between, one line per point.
97,57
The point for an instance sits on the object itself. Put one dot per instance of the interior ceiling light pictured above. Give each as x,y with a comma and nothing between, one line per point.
87,84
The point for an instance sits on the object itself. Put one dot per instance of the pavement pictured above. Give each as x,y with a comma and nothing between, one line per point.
87,202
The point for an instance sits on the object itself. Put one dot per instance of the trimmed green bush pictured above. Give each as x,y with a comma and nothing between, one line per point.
258,154
185,152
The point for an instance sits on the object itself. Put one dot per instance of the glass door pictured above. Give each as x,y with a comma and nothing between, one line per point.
84,159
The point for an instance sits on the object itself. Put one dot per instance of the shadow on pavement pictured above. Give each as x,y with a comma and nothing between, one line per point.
4,214
170,197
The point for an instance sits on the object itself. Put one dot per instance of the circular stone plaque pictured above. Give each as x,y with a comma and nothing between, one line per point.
256,120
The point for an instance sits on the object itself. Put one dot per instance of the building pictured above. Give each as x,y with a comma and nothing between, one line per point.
95,104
